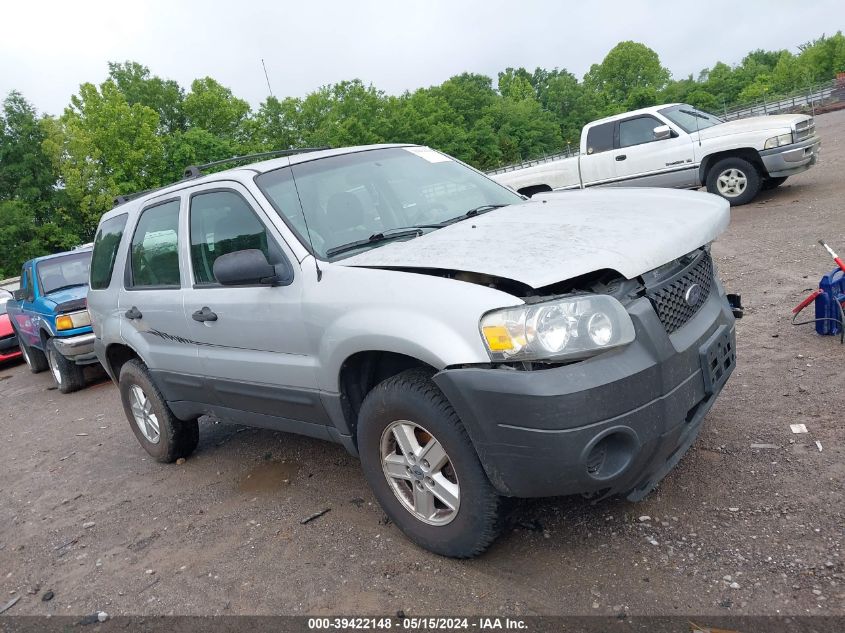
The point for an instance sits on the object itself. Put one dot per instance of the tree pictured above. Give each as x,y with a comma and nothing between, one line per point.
106,147
627,66
166,97
516,84
212,107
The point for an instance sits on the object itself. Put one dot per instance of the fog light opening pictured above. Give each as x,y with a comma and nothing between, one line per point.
611,455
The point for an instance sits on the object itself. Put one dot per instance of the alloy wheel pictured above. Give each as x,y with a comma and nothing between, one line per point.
420,472
142,411
54,367
731,183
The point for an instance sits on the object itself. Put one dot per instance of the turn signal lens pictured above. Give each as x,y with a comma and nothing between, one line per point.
497,337
73,320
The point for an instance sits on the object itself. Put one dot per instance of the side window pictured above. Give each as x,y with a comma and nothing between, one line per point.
637,131
24,279
600,138
154,258
223,222
105,251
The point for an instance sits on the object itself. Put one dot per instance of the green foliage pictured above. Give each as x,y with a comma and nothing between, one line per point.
137,131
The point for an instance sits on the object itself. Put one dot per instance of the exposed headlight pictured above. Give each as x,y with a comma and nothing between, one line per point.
574,327
777,141
73,320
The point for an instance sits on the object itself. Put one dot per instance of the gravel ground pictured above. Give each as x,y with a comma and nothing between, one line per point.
88,517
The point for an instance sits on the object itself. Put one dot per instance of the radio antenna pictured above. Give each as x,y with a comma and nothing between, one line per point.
307,230
266,77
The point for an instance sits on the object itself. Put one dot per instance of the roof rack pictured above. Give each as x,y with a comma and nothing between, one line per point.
195,171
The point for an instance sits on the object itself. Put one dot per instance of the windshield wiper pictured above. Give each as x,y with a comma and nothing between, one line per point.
375,238
484,208
65,287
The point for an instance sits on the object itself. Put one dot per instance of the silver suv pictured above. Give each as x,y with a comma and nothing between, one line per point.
468,344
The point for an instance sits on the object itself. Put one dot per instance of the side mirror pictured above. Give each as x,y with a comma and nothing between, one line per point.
662,132
19,294
247,267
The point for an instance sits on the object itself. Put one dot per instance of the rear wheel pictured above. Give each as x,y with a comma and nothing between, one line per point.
423,468
68,375
34,358
772,183
164,436
735,179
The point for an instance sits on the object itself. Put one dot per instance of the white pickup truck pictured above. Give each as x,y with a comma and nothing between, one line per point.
676,145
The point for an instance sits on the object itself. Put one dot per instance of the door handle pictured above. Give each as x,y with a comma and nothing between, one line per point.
133,313
204,315
621,157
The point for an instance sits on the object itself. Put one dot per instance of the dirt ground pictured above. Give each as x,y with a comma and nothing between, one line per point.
86,515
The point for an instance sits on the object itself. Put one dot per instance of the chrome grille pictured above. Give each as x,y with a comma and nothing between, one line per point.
805,129
670,299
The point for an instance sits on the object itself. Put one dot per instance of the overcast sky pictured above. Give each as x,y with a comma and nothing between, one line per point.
47,48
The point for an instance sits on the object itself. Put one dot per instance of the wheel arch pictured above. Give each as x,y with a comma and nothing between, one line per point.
117,355
747,153
362,371
533,189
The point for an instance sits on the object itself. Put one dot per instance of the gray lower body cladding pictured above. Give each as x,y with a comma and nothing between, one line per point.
616,423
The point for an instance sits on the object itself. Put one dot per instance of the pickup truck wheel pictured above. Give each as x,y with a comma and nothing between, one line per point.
423,469
164,436
68,375
772,183
34,358
735,179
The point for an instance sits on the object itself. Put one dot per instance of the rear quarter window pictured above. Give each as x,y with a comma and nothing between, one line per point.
600,138
106,244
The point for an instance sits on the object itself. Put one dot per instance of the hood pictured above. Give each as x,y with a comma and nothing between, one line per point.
69,295
563,235
5,325
754,124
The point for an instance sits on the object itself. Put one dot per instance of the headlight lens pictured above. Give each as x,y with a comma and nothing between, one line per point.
73,320
777,141
574,327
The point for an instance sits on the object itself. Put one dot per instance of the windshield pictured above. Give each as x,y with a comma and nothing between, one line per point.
64,272
690,119
364,196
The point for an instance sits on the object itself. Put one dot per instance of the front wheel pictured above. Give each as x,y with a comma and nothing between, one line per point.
423,469
34,358
68,375
164,436
735,179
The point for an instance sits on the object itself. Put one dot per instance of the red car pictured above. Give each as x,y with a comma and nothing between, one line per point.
8,341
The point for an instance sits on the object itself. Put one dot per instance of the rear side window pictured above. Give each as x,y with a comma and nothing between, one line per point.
637,131
222,222
105,251
154,257
600,138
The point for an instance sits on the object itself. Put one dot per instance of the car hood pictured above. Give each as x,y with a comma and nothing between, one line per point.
555,237
69,295
5,325
753,124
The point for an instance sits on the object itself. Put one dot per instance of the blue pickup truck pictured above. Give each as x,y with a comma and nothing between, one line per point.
50,317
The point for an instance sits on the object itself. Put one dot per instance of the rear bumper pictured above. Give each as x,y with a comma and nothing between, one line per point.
791,159
616,423
79,348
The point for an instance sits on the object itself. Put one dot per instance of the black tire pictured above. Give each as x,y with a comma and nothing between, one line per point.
176,438
68,375
773,183
412,396
34,358
753,180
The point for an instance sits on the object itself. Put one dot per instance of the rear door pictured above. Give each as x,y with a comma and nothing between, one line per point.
23,314
150,302
642,160
596,158
253,341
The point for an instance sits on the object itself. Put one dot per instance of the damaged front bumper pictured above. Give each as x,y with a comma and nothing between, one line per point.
613,424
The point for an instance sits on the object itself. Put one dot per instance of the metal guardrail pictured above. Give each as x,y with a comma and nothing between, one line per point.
12,283
809,97
569,153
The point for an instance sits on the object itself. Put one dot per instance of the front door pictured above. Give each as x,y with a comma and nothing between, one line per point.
253,342
643,161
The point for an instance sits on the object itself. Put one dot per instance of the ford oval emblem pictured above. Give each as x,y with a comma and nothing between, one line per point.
693,295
